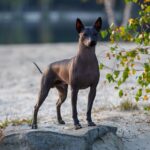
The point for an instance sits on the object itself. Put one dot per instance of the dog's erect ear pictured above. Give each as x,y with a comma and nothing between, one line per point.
98,24
79,25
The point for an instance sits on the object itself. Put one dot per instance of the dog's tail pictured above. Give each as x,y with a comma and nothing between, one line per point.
37,67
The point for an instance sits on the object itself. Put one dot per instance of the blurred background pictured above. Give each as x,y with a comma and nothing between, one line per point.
45,21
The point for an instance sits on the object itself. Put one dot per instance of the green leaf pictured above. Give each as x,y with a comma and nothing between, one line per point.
101,66
116,87
137,98
119,82
139,93
125,74
110,78
147,108
147,90
147,9
118,57
147,67
126,1
104,33
112,48
132,53
120,93
116,73
135,1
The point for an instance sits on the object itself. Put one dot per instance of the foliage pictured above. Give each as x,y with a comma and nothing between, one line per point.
128,105
147,108
136,31
14,122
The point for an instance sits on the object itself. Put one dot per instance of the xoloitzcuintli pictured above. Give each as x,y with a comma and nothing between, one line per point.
80,72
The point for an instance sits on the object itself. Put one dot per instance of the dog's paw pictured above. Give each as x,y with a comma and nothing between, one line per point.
61,122
91,124
77,126
34,126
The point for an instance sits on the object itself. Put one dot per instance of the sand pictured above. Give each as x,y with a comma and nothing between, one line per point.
20,82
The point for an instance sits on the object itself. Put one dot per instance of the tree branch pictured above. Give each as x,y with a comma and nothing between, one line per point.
120,70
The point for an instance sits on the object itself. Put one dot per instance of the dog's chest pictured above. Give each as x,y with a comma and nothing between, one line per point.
86,73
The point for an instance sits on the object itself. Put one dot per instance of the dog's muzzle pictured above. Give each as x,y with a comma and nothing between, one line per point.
92,43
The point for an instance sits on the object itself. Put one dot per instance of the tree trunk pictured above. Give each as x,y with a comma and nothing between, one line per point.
109,5
44,27
126,14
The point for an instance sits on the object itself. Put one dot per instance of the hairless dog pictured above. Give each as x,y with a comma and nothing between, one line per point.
80,72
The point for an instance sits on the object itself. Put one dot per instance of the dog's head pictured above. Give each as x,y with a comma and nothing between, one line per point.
88,35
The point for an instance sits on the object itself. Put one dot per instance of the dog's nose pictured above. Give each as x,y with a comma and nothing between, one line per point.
92,43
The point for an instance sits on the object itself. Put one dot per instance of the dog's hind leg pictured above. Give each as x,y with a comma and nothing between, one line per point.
62,91
46,84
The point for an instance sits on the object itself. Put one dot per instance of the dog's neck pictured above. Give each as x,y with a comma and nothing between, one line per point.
84,50
86,55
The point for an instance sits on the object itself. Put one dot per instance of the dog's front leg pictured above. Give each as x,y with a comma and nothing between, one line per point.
90,104
74,93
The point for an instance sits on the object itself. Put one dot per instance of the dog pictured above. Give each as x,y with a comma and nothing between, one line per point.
80,72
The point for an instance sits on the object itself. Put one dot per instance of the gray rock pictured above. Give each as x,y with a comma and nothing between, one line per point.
89,138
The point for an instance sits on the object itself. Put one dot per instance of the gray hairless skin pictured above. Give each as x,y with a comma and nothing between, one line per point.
80,72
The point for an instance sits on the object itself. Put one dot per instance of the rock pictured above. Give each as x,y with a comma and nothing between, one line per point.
89,138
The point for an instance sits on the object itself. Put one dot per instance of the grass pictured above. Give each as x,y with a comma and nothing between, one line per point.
147,107
128,106
14,122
